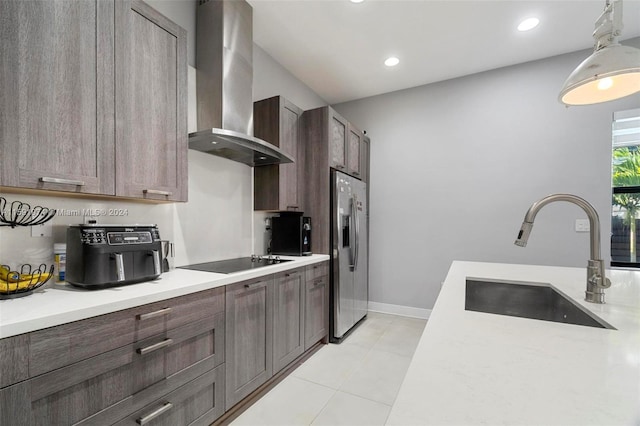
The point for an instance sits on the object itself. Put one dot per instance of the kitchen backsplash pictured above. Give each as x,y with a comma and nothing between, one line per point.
214,224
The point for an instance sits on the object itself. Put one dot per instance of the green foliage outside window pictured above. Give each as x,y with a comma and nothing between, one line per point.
625,173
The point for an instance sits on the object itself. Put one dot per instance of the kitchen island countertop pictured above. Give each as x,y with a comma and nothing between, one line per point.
57,304
474,368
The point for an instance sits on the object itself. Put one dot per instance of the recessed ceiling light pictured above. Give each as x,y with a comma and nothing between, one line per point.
357,1
528,24
392,61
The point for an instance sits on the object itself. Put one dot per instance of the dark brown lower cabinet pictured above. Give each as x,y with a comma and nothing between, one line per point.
199,402
249,330
182,361
317,310
270,322
104,388
288,327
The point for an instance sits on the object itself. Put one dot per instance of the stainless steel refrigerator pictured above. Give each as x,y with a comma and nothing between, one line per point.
349,254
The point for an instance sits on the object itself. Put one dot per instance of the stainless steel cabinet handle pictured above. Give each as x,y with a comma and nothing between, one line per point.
46,179
293,207
156,192
154,347
119,266
339,166
156,262
146,419
160,312
254,285
317,283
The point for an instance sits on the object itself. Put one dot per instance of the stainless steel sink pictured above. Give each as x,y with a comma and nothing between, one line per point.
527,300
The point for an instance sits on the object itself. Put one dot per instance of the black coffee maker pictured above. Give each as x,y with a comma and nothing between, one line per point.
291,234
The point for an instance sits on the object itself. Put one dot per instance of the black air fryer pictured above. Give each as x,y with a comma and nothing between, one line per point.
291,234
101,256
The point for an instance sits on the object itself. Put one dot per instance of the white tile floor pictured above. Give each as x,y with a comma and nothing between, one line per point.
353,383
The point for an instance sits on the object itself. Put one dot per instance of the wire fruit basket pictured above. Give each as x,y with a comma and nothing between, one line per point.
15,284
22,214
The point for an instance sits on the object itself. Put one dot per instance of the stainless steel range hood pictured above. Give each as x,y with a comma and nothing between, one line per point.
224,80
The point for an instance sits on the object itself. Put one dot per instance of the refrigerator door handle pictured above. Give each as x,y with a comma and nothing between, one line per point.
356,220
352,243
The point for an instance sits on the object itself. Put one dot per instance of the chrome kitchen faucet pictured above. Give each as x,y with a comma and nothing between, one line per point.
596,278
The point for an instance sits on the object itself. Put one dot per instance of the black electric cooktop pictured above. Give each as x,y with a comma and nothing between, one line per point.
236,265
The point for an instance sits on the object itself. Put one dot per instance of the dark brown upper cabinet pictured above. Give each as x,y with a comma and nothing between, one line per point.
56,101
330,142
151,104
277,187
354,152
365,160
93,99
338,141
345,145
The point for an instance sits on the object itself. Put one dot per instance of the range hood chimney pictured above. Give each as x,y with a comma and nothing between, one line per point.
224,80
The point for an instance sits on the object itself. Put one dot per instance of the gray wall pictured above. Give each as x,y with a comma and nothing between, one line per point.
272,79
455,165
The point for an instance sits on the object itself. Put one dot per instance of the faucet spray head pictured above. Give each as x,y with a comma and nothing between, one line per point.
523,235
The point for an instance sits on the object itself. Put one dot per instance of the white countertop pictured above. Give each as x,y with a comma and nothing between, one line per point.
474,368
57,304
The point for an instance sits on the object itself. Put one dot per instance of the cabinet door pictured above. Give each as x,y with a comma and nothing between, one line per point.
338,136
56,100
249,337
365,160
355,147
317,310
278,122
289,143
151,98
288,327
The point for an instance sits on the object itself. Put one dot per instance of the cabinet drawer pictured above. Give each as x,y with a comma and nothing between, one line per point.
164,355
159,317
104,388
290,273
14,359
198,402
317,270
66,344
69,394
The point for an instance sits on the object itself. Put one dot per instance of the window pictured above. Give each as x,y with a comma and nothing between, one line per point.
625,172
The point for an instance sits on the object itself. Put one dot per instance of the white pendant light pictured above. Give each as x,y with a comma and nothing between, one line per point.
611,72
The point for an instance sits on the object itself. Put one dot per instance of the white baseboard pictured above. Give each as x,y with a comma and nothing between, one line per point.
405,311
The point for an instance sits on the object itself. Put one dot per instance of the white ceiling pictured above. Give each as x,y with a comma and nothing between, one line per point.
337,47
